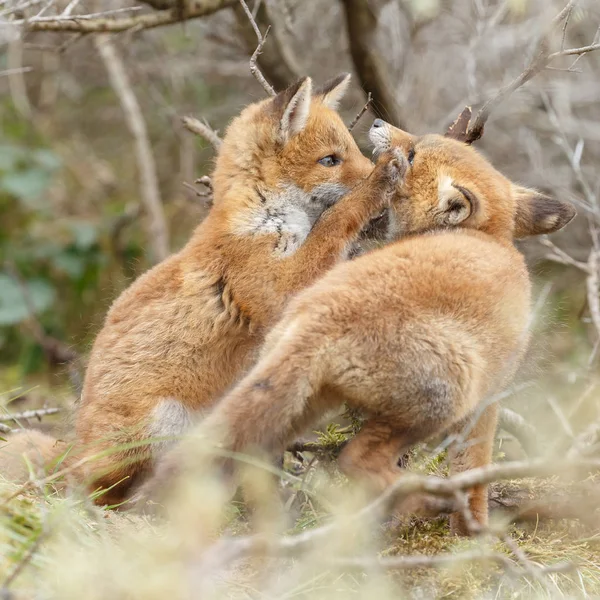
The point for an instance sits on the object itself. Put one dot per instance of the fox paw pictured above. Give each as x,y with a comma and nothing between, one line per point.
391,167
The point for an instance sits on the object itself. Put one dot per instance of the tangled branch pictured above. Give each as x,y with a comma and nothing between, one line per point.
542,57
105,24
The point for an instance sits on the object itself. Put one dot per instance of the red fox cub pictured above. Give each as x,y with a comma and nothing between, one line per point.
186,330
416,335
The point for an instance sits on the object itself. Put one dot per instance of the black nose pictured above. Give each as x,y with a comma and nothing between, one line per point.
378,123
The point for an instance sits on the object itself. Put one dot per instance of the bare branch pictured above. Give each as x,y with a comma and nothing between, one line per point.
361,112
203,130
520,429
199,8
256,72
560,256
539,62
158,236
420,561
541,58
30,414
15,71
575,51
277,61
227,550
593,288
78,18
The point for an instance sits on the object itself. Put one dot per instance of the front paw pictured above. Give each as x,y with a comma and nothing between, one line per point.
393,166
385,179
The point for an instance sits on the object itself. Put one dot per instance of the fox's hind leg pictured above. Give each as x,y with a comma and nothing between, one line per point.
473,450
372,457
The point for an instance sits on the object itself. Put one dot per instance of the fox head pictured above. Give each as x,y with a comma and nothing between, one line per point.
449,184
286,159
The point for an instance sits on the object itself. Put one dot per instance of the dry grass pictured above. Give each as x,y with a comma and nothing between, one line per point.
122,555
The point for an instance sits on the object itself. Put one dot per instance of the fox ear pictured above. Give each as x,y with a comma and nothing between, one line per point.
333,91
537,214
293,106
455,203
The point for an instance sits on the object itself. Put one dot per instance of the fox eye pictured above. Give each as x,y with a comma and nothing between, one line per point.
411,156
330,161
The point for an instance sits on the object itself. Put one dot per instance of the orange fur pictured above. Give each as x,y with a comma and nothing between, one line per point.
416,335
185,331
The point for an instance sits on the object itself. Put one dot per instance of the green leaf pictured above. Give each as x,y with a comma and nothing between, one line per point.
27,185
85,234
71,264
10,157
13,307
47,159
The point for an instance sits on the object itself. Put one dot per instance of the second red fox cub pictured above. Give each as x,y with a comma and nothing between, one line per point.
416,335
184,332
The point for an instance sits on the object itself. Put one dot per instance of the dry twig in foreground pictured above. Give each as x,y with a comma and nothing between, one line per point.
226,550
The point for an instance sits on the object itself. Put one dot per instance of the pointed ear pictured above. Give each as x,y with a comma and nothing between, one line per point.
333,91
293,106
537,214
455,203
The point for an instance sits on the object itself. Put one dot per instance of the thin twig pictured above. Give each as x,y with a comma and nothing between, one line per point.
520,429
30,414
158,235
75,18
593,288
560,256
227,550
198,8
254,69
575,51
203,130
361,112
541,58
15,71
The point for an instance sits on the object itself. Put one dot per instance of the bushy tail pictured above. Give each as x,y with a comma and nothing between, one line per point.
275,402
29,447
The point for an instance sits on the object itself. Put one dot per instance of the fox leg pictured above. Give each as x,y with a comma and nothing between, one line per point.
110,474
372,457
475,450
118,461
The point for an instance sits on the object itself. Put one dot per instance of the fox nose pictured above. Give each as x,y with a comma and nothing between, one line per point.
378,123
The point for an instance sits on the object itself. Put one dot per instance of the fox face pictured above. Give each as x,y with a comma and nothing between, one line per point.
447,184
285,160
